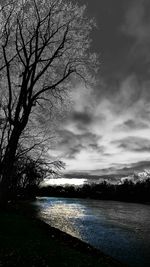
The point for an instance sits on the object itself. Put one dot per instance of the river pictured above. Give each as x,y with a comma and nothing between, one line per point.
121,230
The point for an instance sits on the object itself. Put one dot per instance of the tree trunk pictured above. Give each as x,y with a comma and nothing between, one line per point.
7,167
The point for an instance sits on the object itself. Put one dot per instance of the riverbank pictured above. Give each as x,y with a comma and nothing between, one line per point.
27,241
127,191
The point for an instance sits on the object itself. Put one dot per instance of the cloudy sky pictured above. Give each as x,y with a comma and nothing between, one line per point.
108,128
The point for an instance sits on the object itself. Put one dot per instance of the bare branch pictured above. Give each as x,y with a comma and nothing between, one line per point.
9,84
54,86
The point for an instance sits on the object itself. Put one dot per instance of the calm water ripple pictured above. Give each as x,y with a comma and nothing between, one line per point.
119,229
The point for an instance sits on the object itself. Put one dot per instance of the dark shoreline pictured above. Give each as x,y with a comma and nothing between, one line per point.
22,221
64,238
76,243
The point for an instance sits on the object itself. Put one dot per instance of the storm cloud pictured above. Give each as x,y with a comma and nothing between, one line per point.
107,129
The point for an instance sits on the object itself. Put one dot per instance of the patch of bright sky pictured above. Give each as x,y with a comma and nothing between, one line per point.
65,181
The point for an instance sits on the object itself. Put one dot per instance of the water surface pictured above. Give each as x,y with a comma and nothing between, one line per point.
121,230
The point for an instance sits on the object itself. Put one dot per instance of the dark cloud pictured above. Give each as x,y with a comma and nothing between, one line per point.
125,169
80,175
123,36
112,118
73,151
65,137
125,94
71,144
138,166
137,21
110,174
96,147
82,117
131,143
136,27
131,124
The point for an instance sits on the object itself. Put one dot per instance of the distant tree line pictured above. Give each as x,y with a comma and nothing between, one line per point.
127,191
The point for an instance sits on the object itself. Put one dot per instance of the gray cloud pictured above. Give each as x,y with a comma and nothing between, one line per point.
113,174
131,143
82,117
130,94
71,144
137,28
73,151
137,22
96,147
106,125
137,166
131,124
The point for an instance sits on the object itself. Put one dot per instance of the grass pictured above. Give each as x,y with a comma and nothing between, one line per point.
26,242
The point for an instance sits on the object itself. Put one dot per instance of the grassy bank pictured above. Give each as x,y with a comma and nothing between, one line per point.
29,242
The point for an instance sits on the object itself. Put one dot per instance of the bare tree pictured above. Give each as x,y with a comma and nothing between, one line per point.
44,47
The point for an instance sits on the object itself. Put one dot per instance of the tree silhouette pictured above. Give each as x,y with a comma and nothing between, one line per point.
44,47
126,191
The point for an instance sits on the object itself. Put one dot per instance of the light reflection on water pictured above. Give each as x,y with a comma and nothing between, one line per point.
62,216
119,229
